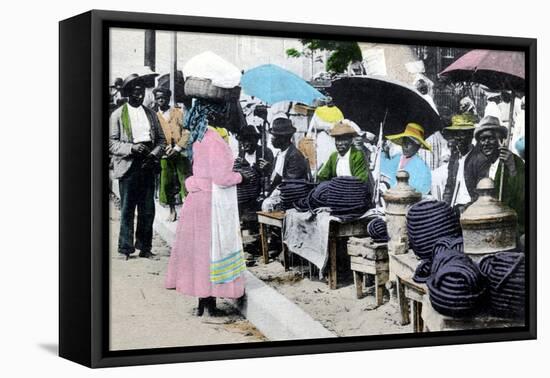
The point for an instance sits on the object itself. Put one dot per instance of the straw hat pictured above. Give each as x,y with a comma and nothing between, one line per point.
462,122
412,130
343,128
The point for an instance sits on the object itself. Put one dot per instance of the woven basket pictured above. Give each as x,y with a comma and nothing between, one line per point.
203,88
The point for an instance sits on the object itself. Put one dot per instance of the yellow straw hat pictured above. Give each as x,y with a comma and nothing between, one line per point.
412,130
462,122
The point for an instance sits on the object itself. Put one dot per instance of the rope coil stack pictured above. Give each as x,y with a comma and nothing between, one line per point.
428,221
378,230
346,196
505,272
456,285
424,269
292,191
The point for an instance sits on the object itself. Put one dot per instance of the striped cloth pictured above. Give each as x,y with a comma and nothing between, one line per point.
505,272
424,269
378,230
196,120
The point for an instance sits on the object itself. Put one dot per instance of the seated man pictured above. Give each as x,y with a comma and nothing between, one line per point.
491,158
347,160
410,140
289,162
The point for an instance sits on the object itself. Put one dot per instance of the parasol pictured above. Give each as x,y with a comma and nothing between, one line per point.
370,101
272,84
498,70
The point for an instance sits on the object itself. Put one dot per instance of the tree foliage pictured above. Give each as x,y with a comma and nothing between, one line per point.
342,53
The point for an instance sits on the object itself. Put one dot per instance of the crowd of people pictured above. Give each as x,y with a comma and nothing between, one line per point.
186,153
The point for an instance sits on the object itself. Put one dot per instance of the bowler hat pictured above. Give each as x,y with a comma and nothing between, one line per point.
282,126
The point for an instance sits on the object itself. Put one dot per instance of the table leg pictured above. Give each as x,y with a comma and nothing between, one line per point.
379,291
263,239
284,252
332,275
358,280
403,303
418,323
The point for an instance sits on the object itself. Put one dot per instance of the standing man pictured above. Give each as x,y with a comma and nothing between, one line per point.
493,159
459,134
136,144
174,167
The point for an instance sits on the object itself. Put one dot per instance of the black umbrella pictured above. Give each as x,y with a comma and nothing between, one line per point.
369,101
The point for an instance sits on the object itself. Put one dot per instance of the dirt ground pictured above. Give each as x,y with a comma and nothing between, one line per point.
338,310
146,315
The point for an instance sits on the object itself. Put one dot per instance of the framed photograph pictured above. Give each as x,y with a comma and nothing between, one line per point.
235,188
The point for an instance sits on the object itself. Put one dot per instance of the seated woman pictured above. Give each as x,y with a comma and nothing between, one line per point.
347,160
410,140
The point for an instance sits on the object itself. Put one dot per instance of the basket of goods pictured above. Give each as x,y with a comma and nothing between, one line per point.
211,77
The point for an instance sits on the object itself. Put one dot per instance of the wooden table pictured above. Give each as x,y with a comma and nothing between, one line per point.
402,267
356,228
275,219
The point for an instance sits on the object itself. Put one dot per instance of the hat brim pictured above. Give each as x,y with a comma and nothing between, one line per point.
289,132
459,128
496,128
398,139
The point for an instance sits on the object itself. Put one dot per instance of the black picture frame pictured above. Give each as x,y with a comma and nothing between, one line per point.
83,163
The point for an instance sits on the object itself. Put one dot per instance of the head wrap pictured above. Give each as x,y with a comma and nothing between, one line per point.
196,120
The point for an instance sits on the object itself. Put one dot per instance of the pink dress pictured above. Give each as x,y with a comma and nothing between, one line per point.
189,264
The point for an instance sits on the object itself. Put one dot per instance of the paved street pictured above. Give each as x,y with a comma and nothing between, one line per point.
145,315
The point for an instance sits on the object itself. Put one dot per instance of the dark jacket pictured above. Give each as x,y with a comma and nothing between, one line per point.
294,167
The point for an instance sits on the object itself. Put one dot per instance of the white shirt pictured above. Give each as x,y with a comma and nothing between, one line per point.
250,158
460,193
342,165
493,170
279,164
141,129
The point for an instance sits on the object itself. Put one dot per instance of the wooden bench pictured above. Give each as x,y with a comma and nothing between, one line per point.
369,258
275,219
402,267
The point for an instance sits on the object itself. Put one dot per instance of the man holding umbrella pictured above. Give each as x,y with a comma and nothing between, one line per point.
136,144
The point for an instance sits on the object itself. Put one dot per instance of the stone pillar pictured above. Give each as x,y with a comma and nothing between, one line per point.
488,225
398,201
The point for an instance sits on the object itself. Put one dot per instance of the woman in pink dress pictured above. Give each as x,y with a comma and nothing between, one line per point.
190,268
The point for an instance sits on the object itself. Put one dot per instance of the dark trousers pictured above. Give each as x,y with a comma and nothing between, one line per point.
137,191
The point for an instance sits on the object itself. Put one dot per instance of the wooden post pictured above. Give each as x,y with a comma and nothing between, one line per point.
332,273
173,67
403,303
150,47
507,145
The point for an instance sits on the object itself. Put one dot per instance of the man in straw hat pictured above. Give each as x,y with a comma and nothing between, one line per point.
493,159
347,160
459,134
411,140
174,166
136,143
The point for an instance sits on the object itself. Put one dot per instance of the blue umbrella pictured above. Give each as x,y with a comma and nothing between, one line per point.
272,84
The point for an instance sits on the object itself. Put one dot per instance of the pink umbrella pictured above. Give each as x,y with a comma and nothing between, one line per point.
498,70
